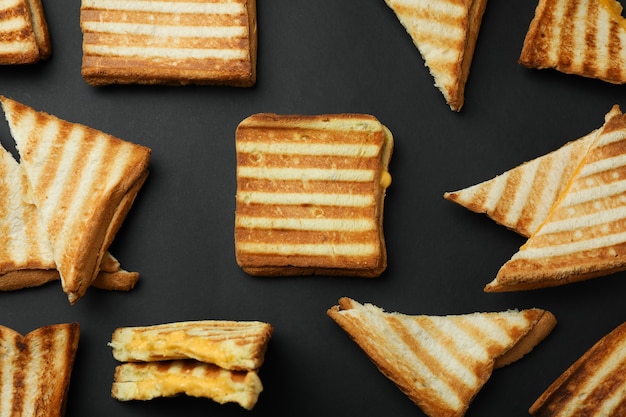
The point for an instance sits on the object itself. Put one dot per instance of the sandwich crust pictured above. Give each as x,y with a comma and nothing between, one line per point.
310,195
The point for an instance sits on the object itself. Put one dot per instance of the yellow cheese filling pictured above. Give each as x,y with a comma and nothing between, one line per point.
615,10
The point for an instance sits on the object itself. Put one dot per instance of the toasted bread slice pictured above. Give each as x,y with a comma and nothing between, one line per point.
36,369
169,42
82,181
146,381
441,362
445,34
233,345
24,37
583,236
310,194
521,198
593,386
583,37
26,258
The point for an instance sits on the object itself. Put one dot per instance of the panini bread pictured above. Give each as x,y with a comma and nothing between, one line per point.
593,386
236,345
36,370
26,258
310,194
521,198
441,362
169,42
146,381
445,34
24,36
581,37
82,182
583,235
215,359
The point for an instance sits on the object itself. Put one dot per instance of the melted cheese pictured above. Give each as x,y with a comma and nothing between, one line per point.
385,180
615,10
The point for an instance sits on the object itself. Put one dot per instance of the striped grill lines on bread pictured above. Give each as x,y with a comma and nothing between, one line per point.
445,33
83,183
441,362
521,198
234,345
593,385
169,42
24,37
581,37
584,235
145,381
309,194
36,369
26,258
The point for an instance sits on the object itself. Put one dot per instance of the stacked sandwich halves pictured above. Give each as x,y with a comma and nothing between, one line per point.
213,359
24,36
570,202
64,202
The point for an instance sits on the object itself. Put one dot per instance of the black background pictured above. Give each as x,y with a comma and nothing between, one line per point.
322,56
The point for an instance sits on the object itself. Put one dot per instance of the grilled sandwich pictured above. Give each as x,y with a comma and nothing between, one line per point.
445,33
521,198
169,42
82,182
235,345
36,370
580,37
310,194
146,381
441,362
26,258
593,386
583,235
215,359
24,36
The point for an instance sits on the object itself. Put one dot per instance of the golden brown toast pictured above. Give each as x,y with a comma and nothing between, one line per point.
169,42
441,362
82,182
36,369
445,34
310,194
593,386
583,235
580,37
24,36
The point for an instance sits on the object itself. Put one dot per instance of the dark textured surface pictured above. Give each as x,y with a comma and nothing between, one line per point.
322,56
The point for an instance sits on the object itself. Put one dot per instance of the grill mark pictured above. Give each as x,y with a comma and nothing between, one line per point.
591,51
268,160
165,19
192,42
306,212
567,41
284,186
207,68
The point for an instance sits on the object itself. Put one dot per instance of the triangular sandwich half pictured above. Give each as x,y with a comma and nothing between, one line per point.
445,33
215,359
583,37
36,369
82,181
584,235
441,362
521,198
593,386
26,258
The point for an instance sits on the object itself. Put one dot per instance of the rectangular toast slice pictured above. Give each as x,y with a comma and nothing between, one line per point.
310,194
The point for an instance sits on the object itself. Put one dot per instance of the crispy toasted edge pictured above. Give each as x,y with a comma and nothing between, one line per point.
40,28
601,347
31,55
544,325
98,77
270,120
